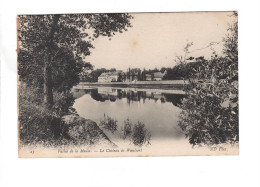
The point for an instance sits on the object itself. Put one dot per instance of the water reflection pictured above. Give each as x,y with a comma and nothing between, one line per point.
157,109
103,94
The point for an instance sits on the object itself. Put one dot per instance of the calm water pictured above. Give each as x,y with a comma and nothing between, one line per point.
157,109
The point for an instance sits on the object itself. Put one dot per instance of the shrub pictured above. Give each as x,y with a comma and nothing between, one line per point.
207,119
210,110
63,102
37,124
127,128
109,123
140,135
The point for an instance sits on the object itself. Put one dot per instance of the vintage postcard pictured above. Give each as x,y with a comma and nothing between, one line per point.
128,84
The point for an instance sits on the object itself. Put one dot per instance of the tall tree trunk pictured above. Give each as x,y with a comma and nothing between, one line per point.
47,72
47,89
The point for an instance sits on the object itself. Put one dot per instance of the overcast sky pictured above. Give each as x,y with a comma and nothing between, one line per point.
157,38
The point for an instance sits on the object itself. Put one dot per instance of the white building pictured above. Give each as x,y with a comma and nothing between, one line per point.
109,76
158,76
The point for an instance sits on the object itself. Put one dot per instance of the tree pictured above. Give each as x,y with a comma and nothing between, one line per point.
144,75
128,74
112,69
86,68
120,77
44,38
210,111
139,75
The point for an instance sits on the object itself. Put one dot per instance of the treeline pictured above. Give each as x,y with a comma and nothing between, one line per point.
183,70
178,72
91,75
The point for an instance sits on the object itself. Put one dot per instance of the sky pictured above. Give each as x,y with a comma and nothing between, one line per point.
155,39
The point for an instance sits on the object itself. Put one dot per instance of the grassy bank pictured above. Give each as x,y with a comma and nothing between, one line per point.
54,126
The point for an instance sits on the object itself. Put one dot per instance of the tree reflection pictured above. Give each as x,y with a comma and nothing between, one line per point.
96,96
112,94
174,98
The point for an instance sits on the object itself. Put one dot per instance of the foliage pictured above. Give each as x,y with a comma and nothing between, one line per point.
52,48
210,110
63,102
38,124
140,135
94,74
41,125
185,69
64,75
51,54
109,123
127,128
137,133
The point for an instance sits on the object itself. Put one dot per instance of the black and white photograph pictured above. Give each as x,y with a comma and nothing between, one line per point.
128,84
129,93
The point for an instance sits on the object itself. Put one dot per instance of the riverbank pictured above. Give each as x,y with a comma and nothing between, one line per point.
166,84
82,135
85,131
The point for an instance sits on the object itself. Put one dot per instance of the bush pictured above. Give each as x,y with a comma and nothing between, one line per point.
140,135
109,123
209,119
127,128
210,110
37,124
63,102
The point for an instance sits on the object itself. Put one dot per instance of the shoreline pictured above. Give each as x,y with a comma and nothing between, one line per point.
176,85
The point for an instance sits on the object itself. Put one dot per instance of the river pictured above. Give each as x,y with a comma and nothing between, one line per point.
157,109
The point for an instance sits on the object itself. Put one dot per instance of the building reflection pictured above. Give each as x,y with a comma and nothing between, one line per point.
103,94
